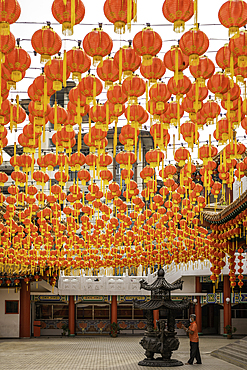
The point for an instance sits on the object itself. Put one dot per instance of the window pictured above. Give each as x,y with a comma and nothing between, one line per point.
84,312
138,314
45,311
11,307
60,312
101,312
124,312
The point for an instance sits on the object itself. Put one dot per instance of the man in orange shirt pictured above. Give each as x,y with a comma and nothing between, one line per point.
194,341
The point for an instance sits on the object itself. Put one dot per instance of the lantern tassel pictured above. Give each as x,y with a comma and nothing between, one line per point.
65,61
120,64
129,14
115,140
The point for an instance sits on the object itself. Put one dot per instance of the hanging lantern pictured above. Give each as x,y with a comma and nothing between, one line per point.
233,15
68,13
193,44
178,12
154,157
90,86
226,59
218,84
77,63
147,43
134,87
97,44
17,61
54,72
9,13
181,155
210,111
179,88
154,71
127,61
46,42
116,96
237,46
160,94
108,72
204,70
120,13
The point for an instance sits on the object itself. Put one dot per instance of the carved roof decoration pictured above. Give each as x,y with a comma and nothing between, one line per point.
228,213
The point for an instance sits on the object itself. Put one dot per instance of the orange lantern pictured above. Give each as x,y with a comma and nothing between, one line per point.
233,15
97,44
193,44
147,43
46,42
77,62
178,12
9,13
68,13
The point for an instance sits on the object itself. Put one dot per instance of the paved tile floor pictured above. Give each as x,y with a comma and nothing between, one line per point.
96,353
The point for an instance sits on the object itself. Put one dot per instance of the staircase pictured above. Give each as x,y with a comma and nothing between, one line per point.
235,353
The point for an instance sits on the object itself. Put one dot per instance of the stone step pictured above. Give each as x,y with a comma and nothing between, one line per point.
235,353
232,360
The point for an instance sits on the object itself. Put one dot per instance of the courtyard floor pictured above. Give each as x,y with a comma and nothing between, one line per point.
98,353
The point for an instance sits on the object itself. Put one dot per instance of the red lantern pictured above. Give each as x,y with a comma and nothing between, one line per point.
17,61
134,87
154,71
118,13
67,15
178,12
77,63
97,44
116,96
193,44
238,46
204,70
108,72
147,43
130,60
46,42
181,155
54,71
89,86
223,59
218,84
233,15
179,88
9,13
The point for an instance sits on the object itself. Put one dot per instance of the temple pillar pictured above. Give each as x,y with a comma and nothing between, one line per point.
113,309
198,307
156,315
227,305
71,315
25,310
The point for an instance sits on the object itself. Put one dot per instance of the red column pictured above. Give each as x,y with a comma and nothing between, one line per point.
198,307
71,315
227,306
156,315
114,309
25,310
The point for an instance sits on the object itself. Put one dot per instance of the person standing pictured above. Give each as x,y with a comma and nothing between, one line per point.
194,341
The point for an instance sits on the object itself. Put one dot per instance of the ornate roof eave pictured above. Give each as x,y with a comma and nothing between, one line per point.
161,283
228,213
155,305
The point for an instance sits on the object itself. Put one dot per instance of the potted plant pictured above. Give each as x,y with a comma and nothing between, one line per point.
115,328
65,329
229,331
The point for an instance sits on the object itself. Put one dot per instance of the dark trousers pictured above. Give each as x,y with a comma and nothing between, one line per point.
194,353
